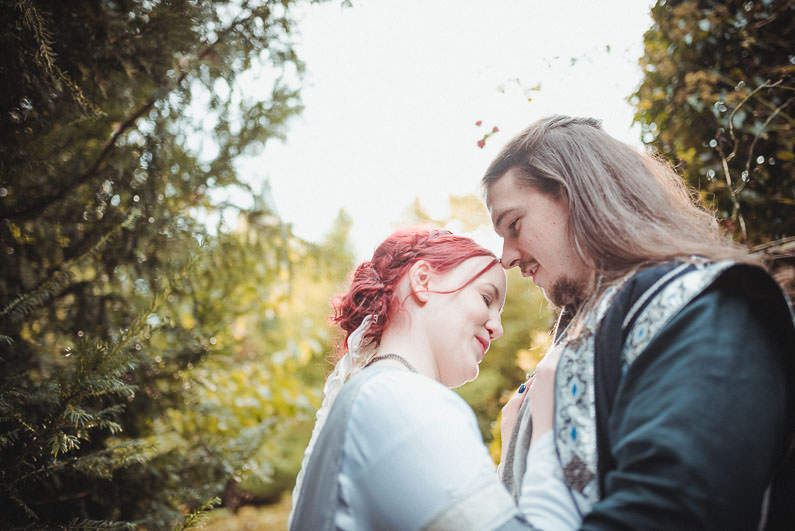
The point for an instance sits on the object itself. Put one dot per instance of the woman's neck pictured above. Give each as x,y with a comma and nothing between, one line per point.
412,349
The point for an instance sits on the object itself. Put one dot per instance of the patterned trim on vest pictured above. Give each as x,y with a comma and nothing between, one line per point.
575,408
670,301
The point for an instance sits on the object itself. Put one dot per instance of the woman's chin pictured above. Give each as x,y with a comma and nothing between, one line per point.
463,379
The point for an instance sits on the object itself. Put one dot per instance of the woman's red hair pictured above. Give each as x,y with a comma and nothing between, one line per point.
374,281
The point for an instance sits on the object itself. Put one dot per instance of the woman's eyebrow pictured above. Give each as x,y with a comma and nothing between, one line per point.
496,291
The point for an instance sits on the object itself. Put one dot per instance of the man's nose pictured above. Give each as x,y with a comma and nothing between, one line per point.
510,256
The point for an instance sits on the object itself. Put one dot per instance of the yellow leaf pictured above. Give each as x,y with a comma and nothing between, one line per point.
15,231
688,155
187,320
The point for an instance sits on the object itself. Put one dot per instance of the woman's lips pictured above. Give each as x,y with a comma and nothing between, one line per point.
484,346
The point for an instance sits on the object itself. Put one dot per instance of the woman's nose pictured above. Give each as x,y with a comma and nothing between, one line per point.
494,326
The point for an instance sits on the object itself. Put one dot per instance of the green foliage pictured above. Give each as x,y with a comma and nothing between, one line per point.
148,362
199,517
716,99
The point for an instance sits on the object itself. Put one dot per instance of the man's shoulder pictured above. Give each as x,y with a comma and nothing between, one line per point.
665,288
673,285
680,287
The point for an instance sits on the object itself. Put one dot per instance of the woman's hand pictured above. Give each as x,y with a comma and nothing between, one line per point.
541,391
542,394
510,413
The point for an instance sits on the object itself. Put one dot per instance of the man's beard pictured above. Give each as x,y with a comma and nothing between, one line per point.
568,292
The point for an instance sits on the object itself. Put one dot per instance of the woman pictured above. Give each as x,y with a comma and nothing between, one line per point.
395,448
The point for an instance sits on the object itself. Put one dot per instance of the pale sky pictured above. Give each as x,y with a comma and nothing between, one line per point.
393,89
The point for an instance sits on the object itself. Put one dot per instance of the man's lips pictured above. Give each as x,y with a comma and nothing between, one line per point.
530,270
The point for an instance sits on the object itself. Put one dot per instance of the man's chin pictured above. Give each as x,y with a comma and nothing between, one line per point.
566,292
547,296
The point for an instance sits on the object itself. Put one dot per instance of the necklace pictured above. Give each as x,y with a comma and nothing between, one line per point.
391,356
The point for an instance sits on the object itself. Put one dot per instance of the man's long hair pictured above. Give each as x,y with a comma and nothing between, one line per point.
627,209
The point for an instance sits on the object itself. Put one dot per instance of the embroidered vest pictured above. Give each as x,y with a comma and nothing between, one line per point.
575,411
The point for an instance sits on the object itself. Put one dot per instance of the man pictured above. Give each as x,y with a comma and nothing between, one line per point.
694,431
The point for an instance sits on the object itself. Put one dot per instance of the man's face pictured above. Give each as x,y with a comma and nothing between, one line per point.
534,228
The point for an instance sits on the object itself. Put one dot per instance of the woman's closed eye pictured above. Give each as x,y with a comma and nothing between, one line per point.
487,299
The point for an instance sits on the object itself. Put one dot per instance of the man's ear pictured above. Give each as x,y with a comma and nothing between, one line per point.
419,280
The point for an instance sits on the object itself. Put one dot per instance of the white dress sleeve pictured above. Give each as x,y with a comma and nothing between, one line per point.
545,500
414,459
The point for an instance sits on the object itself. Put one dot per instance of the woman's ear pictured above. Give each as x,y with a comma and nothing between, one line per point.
419,280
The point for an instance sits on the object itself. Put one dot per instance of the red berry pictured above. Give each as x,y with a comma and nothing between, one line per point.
495,129
481,143
479,123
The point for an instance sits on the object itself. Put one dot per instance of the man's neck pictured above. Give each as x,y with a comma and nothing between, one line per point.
565,316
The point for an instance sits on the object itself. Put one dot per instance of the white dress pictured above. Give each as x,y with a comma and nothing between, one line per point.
413,458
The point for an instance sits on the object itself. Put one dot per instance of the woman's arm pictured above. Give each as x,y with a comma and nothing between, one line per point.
540,390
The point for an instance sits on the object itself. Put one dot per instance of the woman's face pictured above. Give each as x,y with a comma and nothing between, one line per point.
462,324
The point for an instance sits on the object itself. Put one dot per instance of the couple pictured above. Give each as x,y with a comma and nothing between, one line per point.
667,400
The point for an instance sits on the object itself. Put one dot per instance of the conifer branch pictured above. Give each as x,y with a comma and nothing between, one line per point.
122,455
39,207
104,525
59,279
99,371
45,57
198,518
14,496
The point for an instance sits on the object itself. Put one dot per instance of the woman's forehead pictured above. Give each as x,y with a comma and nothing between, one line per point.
470,267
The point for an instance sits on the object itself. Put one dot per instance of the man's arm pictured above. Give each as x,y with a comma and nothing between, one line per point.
699,421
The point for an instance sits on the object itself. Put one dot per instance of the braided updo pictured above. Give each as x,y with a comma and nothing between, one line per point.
374,281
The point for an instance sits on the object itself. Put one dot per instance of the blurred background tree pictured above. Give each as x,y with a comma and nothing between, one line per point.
717,99
151,356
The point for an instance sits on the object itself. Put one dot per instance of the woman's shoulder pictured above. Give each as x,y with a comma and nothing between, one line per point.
396,387
398,411
395,398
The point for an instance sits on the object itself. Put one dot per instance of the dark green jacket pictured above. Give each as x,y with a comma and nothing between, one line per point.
704,416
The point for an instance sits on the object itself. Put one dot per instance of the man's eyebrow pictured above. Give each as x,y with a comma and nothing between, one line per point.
502,215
